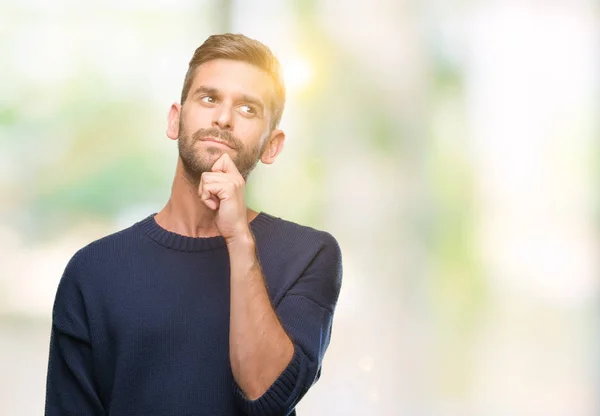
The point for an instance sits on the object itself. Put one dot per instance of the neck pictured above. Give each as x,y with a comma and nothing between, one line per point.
185,213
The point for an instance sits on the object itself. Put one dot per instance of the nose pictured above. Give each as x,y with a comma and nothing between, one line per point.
222,117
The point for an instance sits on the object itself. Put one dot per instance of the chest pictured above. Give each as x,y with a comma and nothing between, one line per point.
173,300
164,322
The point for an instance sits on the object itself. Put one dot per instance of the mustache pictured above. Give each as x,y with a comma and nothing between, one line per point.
228,138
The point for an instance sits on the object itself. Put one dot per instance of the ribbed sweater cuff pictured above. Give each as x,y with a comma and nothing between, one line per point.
283,394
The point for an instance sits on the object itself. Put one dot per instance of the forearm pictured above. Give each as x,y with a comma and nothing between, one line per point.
259,347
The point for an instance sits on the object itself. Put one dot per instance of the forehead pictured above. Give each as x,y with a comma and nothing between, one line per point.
235,78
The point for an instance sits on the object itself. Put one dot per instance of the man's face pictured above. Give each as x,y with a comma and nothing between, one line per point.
226,111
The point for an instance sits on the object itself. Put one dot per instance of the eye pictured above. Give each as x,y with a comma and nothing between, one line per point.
208,99
248,109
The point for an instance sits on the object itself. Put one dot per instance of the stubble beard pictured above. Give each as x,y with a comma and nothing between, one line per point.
195,163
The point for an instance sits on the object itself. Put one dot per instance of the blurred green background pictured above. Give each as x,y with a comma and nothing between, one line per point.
451,148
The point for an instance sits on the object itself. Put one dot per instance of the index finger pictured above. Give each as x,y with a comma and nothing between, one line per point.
225,164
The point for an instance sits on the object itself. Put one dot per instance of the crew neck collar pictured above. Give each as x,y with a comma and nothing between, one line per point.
181,242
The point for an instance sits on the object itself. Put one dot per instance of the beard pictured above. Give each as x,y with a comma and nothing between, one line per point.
196,163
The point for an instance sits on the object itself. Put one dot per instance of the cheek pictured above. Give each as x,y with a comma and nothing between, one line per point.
196,117
250,131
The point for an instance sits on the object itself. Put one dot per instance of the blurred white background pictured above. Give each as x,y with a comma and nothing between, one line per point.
450,147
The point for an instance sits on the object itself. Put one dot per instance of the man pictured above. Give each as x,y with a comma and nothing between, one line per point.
207,307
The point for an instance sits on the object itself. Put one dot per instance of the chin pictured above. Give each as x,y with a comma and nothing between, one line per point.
207,159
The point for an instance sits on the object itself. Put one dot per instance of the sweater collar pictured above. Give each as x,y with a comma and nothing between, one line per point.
184,243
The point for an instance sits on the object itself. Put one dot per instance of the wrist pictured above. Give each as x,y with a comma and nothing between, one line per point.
242,239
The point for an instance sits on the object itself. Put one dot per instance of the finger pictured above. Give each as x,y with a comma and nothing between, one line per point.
211,201
225,164
216,177
232,181
208,196
217,192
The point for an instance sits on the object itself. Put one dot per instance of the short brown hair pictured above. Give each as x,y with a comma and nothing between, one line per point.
238,47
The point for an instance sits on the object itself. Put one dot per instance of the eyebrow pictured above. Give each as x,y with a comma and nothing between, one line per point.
206,90
215,91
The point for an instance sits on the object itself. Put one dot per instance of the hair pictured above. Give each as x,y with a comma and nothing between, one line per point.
238,47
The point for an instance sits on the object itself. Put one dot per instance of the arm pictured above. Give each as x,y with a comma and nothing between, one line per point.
259,348
275,354
305,313
69,384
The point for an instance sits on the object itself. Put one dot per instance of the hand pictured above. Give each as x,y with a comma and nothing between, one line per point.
222,190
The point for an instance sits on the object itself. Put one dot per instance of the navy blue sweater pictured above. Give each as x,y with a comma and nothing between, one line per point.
140,324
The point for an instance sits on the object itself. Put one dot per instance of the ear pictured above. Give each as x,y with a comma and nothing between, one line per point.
274,146
173,121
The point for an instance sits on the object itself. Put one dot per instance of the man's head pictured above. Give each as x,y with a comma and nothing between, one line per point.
233,93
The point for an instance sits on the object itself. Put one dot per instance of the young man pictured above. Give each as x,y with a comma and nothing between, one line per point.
207,307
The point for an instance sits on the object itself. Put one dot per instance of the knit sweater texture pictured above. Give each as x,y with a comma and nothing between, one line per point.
140,323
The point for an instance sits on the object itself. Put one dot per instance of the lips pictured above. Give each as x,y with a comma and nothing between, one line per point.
215,140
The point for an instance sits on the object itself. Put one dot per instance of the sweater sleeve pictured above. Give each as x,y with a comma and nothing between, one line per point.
306,313
70,388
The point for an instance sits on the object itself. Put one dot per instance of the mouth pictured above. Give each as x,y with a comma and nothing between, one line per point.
216,141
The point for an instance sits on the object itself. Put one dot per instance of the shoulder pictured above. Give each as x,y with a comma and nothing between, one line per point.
301,260
279,233
291,249
103,251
